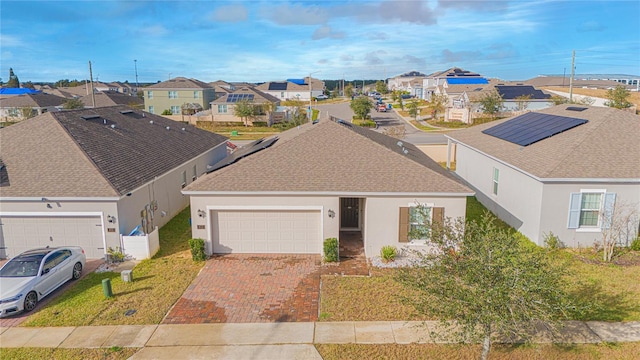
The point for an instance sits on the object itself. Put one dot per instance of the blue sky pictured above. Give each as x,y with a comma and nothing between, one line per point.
259,41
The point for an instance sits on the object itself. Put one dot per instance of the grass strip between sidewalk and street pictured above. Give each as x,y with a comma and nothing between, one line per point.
113,353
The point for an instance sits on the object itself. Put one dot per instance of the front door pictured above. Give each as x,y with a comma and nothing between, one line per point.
349,213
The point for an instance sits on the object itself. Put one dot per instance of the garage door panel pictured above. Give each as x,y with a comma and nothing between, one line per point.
24,233
250,231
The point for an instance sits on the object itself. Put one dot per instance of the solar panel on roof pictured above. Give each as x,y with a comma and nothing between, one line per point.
239,97
532,127
278,86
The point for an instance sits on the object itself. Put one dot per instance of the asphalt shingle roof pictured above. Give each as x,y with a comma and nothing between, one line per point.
63,154
32,100
606,147
181,83
333,157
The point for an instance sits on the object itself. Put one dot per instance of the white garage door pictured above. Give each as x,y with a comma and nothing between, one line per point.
24,233
288,232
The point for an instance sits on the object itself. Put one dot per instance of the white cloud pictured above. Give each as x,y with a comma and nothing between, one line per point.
296,14
230,13
325,32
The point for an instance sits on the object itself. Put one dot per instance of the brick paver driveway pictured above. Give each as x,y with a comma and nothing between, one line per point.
251,288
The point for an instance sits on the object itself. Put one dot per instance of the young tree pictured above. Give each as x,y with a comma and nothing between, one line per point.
559,100
481,280
348,90
381,87
245,110
620,222
413,109
618,98
13,80
361,106
522,102
73,104
491,103
438,104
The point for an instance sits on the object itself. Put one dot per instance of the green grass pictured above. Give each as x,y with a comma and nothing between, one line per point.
115,353
621,351
158,284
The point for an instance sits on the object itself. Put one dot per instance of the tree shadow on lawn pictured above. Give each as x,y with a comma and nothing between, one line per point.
598,304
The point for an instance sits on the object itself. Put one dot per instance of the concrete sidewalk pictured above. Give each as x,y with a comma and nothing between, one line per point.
275,340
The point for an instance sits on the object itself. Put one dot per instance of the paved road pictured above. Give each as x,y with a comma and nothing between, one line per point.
384,120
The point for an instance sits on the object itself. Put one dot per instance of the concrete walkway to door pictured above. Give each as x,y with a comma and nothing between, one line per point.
257,288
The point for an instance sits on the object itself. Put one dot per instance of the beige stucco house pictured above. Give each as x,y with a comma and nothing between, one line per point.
86,177
567,170
174,93
223,109
20,107
316,182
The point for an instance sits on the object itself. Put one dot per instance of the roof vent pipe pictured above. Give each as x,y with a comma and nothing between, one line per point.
104,121
168,128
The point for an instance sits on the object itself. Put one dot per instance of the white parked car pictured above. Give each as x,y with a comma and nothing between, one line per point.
34,274
322,97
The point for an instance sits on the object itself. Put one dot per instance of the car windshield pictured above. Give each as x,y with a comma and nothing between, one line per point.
22,267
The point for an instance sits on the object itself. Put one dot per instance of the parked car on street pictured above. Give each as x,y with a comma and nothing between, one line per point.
322,97
382,108
34,274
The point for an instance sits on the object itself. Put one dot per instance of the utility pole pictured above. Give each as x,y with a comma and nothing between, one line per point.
135,63
93,95
573,69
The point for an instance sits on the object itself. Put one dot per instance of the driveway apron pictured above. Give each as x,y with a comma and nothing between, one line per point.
251,288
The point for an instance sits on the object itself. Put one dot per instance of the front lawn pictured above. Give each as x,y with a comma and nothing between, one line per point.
457,351
158,284
611,289
114,353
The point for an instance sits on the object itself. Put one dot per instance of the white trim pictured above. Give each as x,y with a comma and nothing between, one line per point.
590,229
210,208
329,193
593,191
54,199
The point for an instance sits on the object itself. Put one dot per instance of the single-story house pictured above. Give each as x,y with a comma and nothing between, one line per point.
224,108
523,97
111,98
20,107
293,89
85,177
289,193
565,170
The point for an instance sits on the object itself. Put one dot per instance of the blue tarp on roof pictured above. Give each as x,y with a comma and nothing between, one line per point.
297,81
467,81
18,91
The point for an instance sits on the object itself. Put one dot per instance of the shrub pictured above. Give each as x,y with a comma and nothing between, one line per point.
635,244
197,249
331,250
115,255
552,241
388,253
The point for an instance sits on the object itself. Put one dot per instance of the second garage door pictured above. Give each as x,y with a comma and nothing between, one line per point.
20,233
287,232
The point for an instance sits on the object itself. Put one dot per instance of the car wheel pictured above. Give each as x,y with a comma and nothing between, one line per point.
30,301
77,271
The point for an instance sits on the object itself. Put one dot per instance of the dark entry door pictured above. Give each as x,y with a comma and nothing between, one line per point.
350,213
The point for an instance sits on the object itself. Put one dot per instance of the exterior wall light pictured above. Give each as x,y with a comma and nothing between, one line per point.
331,213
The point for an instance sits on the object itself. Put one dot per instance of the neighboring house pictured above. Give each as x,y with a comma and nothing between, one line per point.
20,107
313,182
536,99
410,81
595,81
111,98
293,89
85,177
556,170
223,109
446,78
7,92
172,94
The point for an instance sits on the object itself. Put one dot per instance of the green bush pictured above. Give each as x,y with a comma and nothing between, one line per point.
552,241
166,112
331,250
197,249
388,253
635,244
115,255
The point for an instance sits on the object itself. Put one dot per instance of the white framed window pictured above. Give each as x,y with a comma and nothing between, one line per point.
149,94
175,109
496,177
591,209
282,94
196,94
194,173
184,179
420,222
151,109
173,94
222,109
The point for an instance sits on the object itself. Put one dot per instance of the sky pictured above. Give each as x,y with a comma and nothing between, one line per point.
259,41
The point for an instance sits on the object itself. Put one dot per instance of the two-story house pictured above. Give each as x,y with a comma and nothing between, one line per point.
174,93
